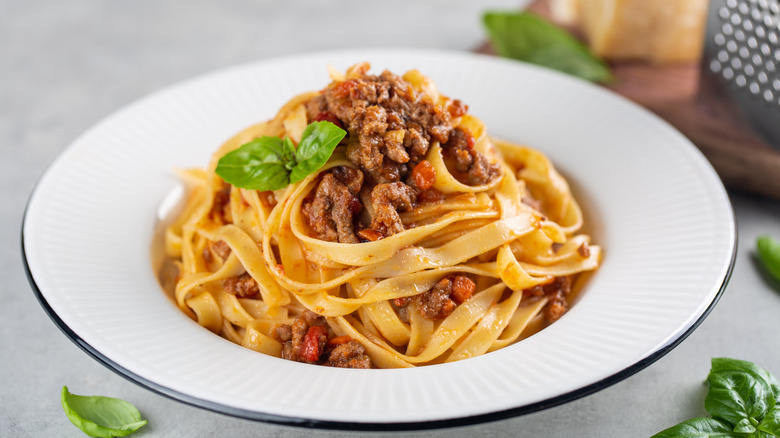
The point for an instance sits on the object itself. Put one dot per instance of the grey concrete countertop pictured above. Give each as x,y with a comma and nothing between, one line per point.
64,65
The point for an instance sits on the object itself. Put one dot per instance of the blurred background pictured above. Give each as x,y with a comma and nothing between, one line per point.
65,65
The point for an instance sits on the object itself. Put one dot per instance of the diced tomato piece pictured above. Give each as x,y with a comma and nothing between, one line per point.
328,117
470,140
424,175
314,343
462,289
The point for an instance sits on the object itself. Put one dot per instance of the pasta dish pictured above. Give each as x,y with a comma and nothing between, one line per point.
412,238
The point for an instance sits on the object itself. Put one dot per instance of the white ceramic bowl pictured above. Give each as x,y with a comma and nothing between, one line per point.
653,202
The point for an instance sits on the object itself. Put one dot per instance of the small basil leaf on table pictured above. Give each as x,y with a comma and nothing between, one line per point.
318,141
575,63
99,416
739,391
257,165
769,254
527,37
698,427
720,364
743,400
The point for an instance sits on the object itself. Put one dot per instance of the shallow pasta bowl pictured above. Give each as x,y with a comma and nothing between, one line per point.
650,198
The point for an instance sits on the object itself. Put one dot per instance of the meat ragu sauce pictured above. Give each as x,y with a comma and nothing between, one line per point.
390,128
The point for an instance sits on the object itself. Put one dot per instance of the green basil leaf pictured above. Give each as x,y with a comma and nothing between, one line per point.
739,391
769,254
770,425
724,363
575,63
99,416
527,37
698,427
318,142
257,165
288,153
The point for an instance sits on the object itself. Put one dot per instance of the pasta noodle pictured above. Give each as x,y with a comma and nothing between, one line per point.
468,252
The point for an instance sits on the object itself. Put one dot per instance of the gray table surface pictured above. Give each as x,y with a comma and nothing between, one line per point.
64,65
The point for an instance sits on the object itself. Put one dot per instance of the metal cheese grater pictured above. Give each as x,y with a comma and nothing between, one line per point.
742,48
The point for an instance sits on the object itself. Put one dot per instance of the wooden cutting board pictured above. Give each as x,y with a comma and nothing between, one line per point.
697,106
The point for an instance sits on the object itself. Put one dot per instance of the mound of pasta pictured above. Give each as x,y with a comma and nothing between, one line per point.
417,239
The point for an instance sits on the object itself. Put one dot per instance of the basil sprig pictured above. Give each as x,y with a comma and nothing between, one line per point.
743,401
527,37
769,254
272,163
99,416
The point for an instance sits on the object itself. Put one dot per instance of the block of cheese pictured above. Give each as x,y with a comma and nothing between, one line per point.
565,12
660,31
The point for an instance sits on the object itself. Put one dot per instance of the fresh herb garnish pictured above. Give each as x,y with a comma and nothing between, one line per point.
99,416
527,37
743,401
769,254
272,163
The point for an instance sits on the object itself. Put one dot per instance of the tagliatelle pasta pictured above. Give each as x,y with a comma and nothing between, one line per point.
422,240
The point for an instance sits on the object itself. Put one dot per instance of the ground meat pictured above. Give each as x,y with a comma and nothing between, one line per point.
556,292
367,151
460,146
481,170
350,354
430,195
221,249
389,124
309,340
532,202
394,144
331,212
387,199
219,207
436,303
218,248
458,108
243,286
474,166
441,300
583,250
390,127
283,333
267,198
